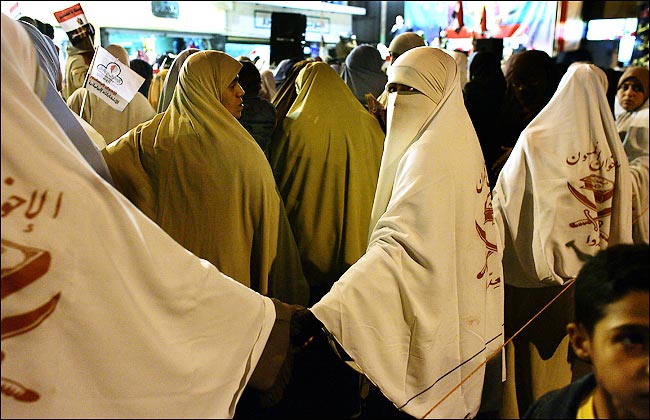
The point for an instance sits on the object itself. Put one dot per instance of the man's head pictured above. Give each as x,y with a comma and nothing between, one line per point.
610,328
82,37
632,89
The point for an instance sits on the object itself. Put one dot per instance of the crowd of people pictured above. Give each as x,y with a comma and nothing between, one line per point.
439,236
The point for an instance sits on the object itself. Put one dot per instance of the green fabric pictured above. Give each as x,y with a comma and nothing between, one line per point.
198,173
325,157
284,97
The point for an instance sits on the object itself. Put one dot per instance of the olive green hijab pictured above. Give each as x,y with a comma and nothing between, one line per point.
197,172
326,156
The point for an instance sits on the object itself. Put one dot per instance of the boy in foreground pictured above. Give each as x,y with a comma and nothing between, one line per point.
610,331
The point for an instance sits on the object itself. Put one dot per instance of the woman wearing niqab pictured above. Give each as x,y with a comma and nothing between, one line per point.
423,307
201,176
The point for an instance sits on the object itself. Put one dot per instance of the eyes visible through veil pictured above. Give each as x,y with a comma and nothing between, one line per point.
404,89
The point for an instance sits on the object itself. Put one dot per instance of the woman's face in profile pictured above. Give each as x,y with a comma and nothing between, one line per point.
231,98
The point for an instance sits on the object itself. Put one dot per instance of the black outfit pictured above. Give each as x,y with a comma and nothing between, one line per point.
315,382
483,96
562,403
258,118
531,80
145,70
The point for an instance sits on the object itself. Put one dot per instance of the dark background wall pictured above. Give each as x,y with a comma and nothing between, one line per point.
368,28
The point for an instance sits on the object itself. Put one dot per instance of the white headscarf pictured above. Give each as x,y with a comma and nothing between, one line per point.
423,307
103,314
463,64
565,191
636,148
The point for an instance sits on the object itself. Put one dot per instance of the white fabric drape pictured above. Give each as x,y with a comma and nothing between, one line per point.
103,314
636,148
565,191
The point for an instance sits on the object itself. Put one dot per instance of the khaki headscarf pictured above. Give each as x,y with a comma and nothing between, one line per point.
198,173
268,85
156,86
641,74
404,42
120,53
108,121
284,97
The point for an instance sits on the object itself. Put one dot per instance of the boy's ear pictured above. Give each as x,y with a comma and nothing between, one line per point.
580,341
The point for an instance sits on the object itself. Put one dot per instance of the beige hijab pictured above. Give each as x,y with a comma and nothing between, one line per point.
624,118
109,122
268,85
155,88
404,42
198,173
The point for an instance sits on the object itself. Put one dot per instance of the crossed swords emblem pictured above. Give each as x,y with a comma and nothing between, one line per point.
603,190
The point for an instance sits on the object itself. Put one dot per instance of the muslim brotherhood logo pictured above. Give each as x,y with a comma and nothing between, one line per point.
110,73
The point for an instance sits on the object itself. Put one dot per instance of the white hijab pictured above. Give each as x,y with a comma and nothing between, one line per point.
423,307
463,63
565,191
636,148
103,314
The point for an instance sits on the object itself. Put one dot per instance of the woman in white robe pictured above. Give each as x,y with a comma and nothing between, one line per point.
422,309
632,125
103,314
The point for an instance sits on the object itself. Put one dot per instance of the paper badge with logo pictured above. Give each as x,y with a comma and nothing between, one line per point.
73,21
113,81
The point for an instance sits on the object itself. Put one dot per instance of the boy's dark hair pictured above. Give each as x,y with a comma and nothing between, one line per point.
607,277
249,78
145,70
